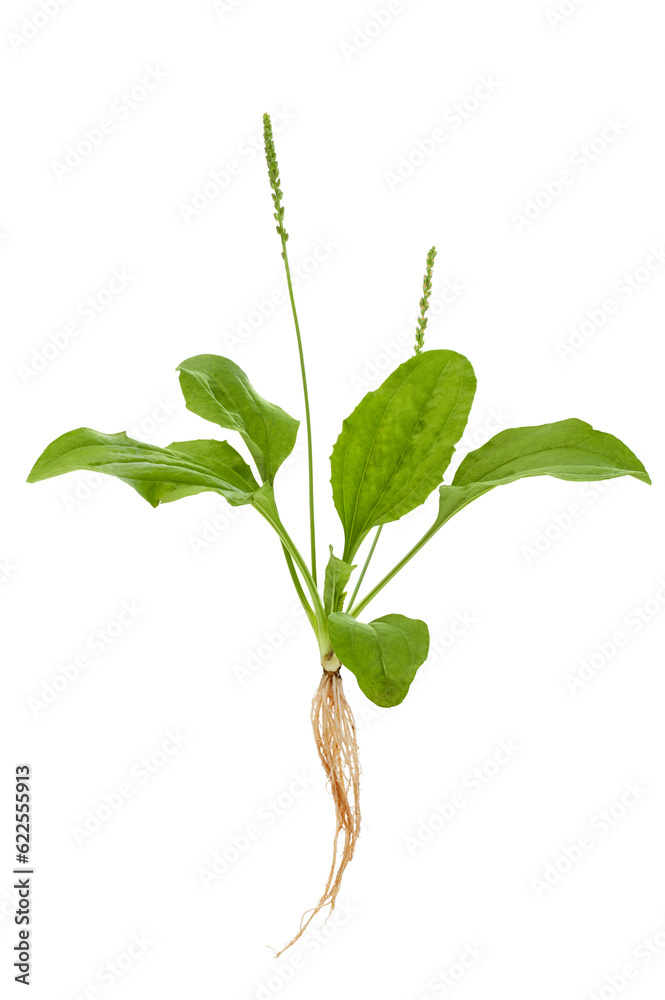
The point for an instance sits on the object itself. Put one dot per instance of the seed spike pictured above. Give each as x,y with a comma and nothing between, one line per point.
273,175
424,302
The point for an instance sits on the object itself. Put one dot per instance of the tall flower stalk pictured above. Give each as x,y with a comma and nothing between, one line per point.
277,194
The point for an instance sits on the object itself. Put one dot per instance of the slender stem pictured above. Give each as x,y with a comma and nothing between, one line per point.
273,174
297,584
364,569
320,625
439,523
355,611
308,421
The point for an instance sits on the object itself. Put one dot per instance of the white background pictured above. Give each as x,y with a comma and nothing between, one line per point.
530,589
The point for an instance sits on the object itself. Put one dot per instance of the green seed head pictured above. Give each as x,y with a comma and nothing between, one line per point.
424,302
273,174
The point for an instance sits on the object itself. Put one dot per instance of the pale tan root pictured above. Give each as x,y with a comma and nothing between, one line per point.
335,735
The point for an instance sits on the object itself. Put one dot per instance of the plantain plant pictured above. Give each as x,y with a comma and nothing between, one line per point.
391,454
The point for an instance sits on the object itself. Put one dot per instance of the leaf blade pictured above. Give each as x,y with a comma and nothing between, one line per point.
567,449
384,655
396,445
338,574
152,471
216,389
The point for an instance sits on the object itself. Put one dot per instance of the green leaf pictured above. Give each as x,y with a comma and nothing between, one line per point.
218,390
384,655
397,443
568,449
338,574
158,474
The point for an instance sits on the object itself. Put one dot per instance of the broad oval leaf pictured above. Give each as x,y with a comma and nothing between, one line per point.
216,389
568,449
396,445
338,574
384,655
158,474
